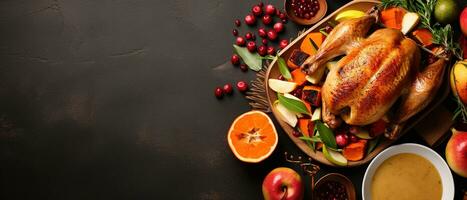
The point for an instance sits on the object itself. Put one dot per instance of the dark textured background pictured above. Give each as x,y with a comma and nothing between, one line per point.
113,99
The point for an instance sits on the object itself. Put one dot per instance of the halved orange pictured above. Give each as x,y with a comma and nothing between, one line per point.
252,137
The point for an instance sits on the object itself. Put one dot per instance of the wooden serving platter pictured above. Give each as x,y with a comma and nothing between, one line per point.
273,72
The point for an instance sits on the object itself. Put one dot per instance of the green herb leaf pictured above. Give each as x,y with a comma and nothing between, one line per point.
323,32
252,60
311,139
268,57
283,68
326,135
292,104
372,145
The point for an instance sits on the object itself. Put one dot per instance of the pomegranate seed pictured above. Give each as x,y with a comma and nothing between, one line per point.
272,35
251,46
296,133
262,50
249,36
264,41
262,33
235,32
353,138
270,9
271,51
240,41
235,59
257,10
267,19
237,22
218,92
242,86
278,27
243,67
228,89
250,19
283,43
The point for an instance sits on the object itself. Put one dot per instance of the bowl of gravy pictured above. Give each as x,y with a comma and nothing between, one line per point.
408,171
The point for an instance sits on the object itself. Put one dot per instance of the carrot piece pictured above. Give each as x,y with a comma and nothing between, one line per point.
355,151
308,106
424,36
303,126
308,47
392,17
312,94
319,145
298,76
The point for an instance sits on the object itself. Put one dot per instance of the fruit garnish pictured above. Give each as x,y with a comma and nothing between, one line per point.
281,86
250,20
349,14
409,21
242,86
334,156
252,137
218,92
316,115
285,114
228,89
446,11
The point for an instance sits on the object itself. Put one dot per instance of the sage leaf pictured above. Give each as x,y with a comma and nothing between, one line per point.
372,145
283,68
292,104
253,60
311,139
326,135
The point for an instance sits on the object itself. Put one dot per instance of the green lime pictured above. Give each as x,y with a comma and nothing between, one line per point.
446,11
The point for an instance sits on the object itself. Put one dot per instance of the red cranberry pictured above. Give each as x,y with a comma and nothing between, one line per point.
243,67
342,140
251,46
237,22
218,92
249,36
272,35
264,41
242,86
282,16
271,51
267,19
262,33
250,19
353,138
283,43
240,41
235,32
354,129
278,27
235,59
262,50
257,10
270,9
228,89
296,133
260,4
278,12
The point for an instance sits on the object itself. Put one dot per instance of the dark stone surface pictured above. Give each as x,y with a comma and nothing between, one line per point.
113,99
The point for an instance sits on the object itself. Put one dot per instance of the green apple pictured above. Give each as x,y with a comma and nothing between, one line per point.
285,114
281,86
334,156
363,134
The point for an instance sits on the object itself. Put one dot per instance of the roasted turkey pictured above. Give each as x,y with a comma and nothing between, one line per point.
376,72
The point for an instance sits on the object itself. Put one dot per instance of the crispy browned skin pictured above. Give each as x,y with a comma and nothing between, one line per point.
342,38
367,82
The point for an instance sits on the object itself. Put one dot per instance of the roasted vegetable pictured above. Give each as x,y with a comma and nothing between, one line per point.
312,94
296,59
312,42
355,151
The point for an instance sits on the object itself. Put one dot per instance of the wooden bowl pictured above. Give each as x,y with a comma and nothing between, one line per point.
349,187
323,8
273,72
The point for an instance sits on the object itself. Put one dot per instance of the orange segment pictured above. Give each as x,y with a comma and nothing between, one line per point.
252,137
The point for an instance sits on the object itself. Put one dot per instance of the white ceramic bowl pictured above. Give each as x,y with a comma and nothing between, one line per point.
432,156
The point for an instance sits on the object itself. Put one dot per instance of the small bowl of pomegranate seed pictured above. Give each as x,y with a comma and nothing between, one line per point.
305,12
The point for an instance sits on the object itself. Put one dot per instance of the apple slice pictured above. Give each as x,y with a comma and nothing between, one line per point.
289,96
285,114
316,115
281,86
409,21
334,156
363,134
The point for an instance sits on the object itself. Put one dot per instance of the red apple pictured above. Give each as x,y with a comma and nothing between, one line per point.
283,183
463,21
456,152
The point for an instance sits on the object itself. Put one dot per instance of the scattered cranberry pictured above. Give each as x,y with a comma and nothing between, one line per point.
250,19
251,46
270,9
262,33
267,19
228,89
243,67
260,4
283,43
235,32
264,41
278,27
353,138
342,140
262,50
218,92
271,51
242,86
240,41
296,133
272,35
235,59
282,16
257,10
237,22
249,36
